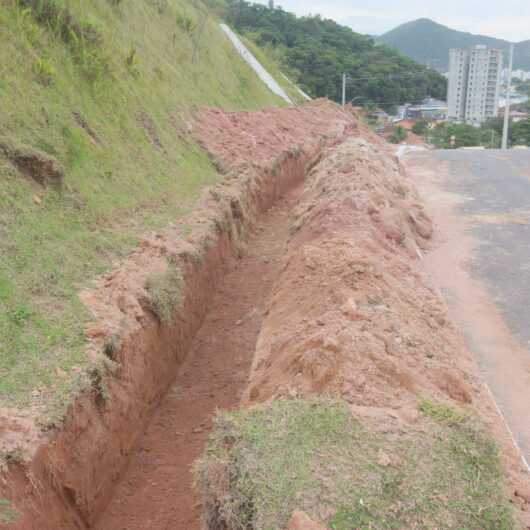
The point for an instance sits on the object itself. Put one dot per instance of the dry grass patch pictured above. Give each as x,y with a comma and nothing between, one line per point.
263,463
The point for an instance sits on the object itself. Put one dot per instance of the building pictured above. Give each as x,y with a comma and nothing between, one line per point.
523,75
428,109
474,84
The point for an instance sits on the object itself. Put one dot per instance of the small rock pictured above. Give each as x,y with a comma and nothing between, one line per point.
239,322
37,199
523,492
301,521
383,459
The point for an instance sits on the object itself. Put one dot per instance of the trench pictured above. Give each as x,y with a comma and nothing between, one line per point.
156,490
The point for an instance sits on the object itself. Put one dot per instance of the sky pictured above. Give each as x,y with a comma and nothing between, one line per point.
505,19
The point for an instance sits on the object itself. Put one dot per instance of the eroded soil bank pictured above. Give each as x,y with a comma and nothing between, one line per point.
157,489
69,477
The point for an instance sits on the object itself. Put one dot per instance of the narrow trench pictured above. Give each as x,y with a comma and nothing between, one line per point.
157,491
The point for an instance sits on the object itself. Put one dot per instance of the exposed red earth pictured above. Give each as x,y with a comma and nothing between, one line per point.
301,275
68,477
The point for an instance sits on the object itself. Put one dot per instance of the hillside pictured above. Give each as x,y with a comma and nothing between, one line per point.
316,51
429,43
93,154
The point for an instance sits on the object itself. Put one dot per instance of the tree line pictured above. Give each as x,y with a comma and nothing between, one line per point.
316,52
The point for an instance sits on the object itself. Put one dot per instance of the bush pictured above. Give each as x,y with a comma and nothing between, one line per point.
398,136
420,127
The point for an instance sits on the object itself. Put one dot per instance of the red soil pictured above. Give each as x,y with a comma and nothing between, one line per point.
157,490
344,308
351,313
70,476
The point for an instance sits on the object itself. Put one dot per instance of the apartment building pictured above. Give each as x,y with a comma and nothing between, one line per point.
474,84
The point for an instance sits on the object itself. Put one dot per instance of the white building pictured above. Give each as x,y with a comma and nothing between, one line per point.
474,84
523,75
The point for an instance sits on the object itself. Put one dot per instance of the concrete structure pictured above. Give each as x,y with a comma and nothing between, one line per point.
523,75
474,84
429,109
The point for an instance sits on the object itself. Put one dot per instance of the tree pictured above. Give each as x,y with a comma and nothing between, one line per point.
520,133
398,136
317,51
420,127
465,135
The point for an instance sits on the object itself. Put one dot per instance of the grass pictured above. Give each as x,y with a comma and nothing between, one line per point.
109,100
165,292
266,462
8,514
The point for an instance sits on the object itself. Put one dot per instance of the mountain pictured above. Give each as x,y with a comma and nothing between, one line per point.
429,43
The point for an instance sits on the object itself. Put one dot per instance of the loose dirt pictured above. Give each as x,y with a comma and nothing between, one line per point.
156,491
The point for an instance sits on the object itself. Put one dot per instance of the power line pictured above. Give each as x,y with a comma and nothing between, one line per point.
390,102
350,79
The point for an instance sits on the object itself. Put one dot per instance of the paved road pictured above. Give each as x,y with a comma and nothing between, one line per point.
497,186
481,203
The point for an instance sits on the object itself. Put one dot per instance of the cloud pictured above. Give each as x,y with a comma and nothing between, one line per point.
507,19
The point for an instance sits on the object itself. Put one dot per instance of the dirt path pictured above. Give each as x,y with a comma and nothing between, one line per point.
156,491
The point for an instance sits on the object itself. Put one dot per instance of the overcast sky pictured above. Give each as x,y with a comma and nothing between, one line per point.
506,19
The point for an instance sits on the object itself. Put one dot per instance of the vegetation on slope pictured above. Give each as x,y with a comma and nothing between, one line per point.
100,91
488,135
266,462
316,52
429,43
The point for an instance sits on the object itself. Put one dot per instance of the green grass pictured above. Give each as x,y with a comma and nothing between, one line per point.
111,106
7,513
266,462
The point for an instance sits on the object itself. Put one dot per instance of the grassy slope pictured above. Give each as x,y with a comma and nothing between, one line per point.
265,462
119,184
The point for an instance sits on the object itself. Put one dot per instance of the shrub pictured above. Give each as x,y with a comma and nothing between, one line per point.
44,71
186,23
398,136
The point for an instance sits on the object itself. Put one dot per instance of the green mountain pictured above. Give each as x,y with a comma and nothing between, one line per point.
316,52
429,43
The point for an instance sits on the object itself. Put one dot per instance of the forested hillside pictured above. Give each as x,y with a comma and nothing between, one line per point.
316,52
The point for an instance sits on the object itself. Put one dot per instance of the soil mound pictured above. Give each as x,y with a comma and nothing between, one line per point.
352,313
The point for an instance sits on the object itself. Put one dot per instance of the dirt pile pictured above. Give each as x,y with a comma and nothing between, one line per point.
351,312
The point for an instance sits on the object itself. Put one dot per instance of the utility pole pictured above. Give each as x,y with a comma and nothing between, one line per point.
507,107
343,90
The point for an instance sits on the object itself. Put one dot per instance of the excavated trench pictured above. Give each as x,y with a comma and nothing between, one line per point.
157,488
123,457
126,462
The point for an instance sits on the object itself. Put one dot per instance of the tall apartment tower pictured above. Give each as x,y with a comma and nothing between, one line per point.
474,84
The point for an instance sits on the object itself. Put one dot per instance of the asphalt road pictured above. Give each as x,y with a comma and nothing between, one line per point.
496,185
480,201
